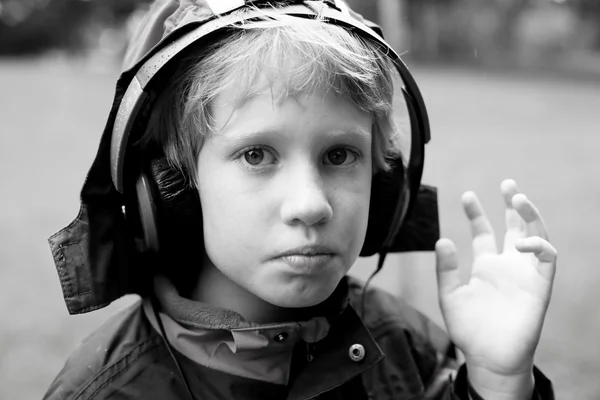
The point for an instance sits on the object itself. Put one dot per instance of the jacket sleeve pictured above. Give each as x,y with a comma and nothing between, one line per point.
451,382
460,388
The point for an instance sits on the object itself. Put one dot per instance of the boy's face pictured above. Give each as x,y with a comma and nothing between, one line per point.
285,190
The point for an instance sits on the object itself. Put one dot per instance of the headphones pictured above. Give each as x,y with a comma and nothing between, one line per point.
166,204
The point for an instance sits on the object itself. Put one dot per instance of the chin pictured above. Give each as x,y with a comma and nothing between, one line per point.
298,298
299,303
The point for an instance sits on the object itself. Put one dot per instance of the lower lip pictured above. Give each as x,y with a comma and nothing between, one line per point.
312,264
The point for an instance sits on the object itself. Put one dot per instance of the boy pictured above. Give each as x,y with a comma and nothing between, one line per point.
244,168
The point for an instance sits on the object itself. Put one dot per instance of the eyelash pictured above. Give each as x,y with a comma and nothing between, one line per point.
357,155
239,157
240,154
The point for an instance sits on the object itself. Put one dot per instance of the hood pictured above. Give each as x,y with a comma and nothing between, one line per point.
95,255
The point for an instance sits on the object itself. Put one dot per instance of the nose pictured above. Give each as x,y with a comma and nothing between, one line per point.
305,199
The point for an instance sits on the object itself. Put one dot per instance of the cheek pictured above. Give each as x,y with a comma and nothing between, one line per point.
214,199
219,210
351,213
228,219
362,216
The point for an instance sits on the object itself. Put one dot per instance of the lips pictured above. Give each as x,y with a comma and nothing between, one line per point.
310,250
307,258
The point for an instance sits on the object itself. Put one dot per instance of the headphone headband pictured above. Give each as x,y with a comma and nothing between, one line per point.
136,94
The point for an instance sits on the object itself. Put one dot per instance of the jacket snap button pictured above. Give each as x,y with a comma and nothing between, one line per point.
281,337
356,352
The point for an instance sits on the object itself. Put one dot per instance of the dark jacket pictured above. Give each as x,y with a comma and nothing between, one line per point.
406,357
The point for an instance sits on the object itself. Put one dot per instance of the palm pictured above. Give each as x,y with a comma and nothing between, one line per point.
497,316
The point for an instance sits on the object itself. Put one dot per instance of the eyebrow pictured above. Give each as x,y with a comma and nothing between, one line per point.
353,131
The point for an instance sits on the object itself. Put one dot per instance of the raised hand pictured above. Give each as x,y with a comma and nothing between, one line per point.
497,316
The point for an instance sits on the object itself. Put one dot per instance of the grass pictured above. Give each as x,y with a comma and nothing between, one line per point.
541,131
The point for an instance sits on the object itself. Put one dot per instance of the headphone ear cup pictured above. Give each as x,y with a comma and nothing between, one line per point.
179,225
387,208
146,202
179,207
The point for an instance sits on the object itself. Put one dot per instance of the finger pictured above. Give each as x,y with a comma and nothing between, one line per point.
508,187
543,251
515,226
446,267
531,215
481,229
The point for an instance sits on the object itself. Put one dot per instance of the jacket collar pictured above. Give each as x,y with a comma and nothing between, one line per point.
222,340
193,314
332,362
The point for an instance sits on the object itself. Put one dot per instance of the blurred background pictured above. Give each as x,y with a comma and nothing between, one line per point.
512,88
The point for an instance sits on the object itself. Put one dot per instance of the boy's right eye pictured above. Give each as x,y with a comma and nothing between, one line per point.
256,157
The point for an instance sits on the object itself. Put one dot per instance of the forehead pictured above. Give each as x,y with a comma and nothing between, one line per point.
276,85
283,76
271,84
270,105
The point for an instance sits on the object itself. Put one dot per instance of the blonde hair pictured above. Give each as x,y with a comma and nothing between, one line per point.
299,55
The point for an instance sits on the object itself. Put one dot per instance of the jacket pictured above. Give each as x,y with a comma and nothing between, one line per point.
405,357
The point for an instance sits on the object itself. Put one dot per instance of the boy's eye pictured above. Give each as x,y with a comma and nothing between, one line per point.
340,157
256,157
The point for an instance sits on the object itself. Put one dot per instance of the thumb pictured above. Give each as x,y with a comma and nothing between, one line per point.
447,267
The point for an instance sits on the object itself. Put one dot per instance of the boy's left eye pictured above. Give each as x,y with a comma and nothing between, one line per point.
340,156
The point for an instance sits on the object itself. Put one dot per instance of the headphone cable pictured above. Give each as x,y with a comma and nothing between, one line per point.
169,347
363,295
